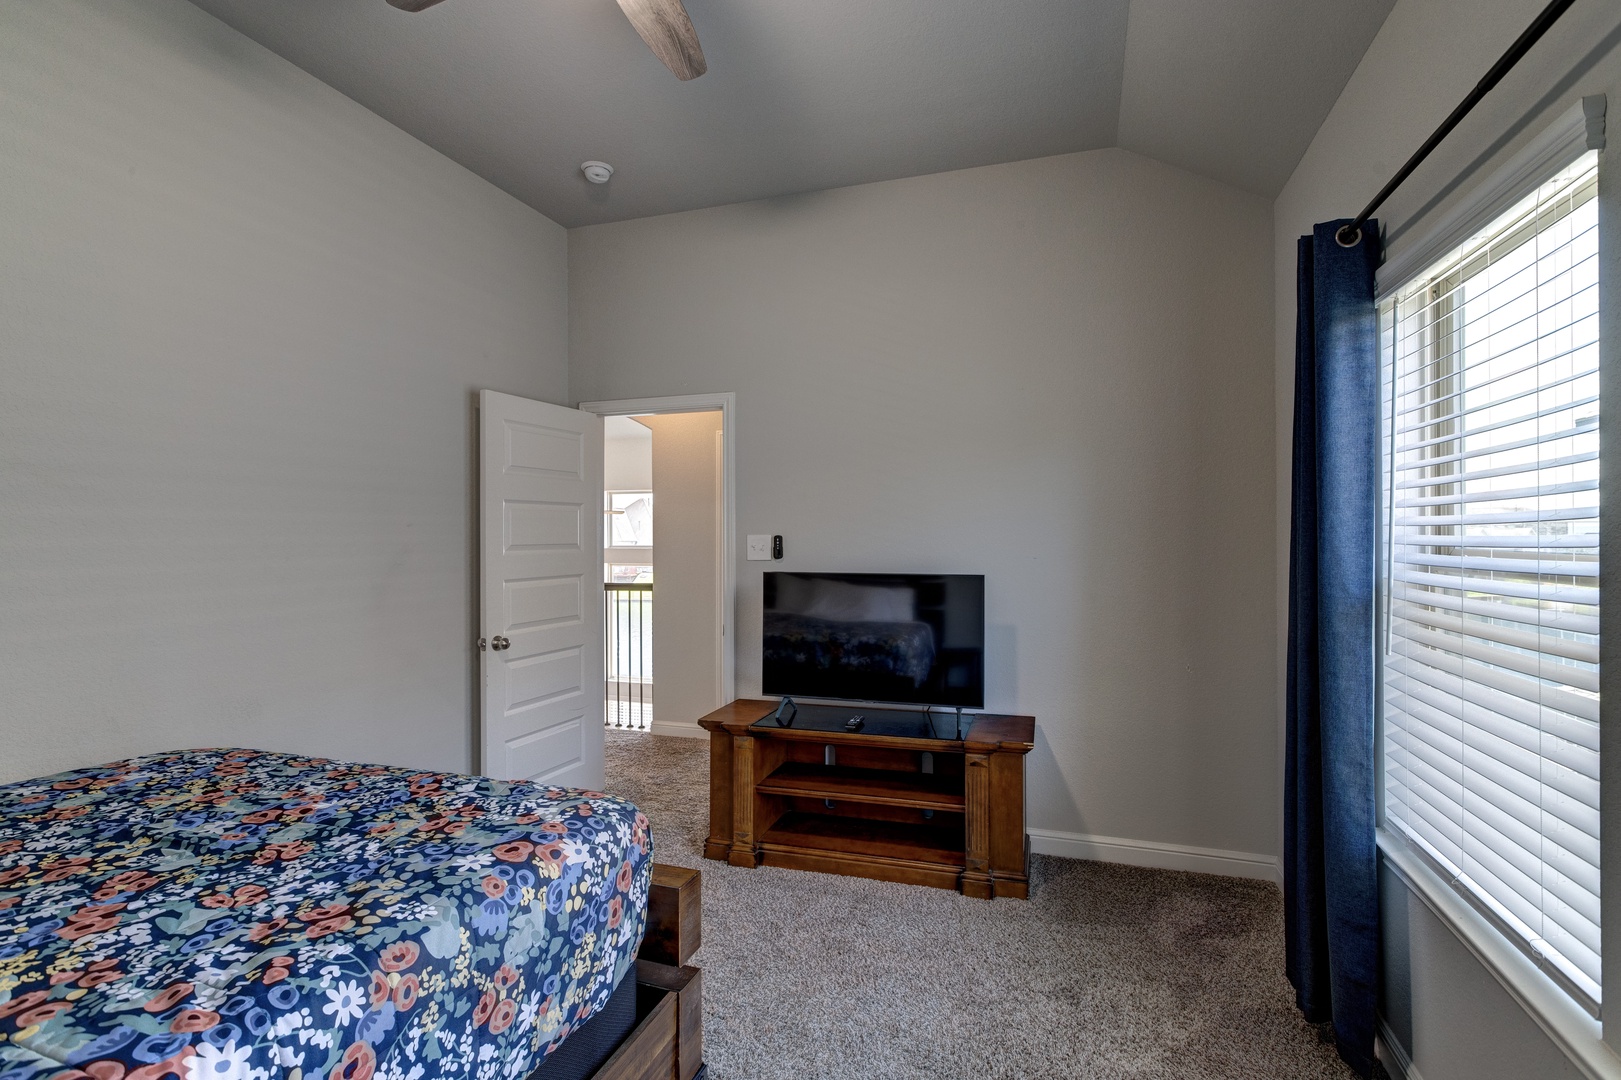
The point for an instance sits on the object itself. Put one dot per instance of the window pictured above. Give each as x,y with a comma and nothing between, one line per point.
1491,600
629,517
629,524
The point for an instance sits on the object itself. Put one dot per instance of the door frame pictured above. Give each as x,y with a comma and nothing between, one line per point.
684,403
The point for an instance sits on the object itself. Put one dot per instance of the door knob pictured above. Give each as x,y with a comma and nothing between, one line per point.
498,643
481,644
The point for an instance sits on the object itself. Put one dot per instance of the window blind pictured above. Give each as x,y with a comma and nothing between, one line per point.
1490,694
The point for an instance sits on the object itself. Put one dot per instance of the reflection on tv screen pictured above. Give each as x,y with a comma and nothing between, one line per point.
906,638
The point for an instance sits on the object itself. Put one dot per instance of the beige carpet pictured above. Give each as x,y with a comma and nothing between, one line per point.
1105,972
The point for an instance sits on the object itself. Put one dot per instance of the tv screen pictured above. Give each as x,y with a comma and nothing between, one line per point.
916,639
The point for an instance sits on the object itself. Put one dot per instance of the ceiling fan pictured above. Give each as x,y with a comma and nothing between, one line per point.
663,24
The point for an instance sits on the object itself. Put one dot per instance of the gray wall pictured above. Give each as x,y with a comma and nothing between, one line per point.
1444,1009
1056,373
1455,1019
242,321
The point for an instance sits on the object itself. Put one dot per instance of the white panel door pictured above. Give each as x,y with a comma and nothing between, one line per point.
540,507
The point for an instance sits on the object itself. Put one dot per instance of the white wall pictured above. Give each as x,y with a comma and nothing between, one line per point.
242,321
686,585
1056,373
627,448
1457,1020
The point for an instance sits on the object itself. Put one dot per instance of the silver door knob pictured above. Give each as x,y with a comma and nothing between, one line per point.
481,644
498,643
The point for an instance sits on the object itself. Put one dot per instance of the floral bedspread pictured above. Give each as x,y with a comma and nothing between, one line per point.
239,915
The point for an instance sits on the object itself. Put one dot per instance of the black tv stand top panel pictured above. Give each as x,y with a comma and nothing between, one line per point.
892,723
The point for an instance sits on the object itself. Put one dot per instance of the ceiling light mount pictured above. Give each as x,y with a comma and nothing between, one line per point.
598,172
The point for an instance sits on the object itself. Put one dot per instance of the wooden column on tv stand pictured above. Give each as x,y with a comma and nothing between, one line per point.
877,827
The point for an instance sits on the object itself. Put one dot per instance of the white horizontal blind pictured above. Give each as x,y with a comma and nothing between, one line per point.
1490,684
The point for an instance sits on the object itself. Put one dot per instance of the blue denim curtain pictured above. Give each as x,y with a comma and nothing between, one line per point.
1330,869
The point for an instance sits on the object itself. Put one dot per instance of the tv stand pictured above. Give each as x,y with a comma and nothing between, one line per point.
906,798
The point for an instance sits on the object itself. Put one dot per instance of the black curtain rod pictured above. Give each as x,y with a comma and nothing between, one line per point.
1350,235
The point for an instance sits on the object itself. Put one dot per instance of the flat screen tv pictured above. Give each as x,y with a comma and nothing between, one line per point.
915,639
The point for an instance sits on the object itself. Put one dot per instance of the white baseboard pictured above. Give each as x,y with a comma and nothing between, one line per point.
1388,1049
1114,849
680,731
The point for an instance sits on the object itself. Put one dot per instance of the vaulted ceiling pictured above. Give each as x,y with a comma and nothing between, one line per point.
803,95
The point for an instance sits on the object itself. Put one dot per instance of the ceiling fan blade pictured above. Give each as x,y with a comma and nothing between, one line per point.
665,27
413,5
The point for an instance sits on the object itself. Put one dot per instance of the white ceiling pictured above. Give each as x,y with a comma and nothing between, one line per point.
803,95
626,430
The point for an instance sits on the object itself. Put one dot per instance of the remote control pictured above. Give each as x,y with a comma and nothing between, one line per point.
855,722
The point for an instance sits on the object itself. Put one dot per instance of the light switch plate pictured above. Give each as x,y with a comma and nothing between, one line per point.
759,547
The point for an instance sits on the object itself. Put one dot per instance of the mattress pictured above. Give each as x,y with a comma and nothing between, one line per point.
240,915
593,1042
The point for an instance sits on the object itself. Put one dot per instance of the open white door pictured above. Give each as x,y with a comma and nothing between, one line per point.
540,512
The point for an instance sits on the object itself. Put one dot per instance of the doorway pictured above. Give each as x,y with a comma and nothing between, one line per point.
668,523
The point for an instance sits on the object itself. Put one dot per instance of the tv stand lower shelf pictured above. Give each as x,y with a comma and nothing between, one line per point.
945,812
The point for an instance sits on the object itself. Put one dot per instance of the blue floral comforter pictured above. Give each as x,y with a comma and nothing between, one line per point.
238,915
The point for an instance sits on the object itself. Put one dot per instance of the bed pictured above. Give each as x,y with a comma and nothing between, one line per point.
241,915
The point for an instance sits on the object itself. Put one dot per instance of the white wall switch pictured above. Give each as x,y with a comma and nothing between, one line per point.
759,547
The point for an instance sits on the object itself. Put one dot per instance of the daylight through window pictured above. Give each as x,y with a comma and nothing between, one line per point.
1490,635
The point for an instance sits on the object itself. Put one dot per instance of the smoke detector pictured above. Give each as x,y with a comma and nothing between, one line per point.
597,172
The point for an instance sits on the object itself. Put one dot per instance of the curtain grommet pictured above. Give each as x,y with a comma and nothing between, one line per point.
1339,237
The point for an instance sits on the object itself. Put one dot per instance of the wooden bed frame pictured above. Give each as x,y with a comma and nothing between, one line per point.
667,1042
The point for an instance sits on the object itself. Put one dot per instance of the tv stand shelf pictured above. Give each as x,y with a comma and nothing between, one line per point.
832,833
892,801
873,786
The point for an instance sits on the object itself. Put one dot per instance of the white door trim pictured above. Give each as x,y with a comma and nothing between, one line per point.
727,404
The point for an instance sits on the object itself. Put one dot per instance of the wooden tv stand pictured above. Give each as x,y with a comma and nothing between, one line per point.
875,811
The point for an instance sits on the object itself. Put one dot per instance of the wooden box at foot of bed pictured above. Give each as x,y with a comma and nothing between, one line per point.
652,1030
